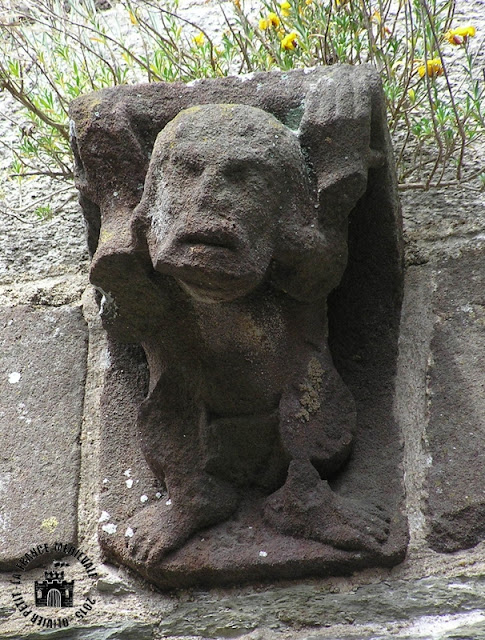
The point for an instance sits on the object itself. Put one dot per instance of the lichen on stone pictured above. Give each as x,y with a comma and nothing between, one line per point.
50,524
310,388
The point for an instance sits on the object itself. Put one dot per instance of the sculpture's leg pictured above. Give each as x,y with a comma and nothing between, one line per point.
317,419
317,415
307,507
169,426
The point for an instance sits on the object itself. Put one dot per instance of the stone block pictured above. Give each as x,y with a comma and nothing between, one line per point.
129,630
456,405
260,442
42,372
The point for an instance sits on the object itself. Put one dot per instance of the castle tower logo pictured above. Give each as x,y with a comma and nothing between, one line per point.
54,591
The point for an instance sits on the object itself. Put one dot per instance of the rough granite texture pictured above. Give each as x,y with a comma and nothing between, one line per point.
456,389
432,595
40,425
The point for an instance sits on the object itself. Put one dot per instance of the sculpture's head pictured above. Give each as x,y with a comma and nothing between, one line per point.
227,192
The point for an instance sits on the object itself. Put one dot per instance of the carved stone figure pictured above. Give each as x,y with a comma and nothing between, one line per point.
220,242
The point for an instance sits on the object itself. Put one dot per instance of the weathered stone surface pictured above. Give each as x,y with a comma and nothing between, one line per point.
42,372
131,630
221,273
41,249
400,602
456,390
465,626
52,292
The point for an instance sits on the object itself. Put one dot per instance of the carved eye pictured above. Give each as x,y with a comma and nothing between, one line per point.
192,166
237,172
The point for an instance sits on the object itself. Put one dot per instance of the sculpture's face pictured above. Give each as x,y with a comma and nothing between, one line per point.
213,199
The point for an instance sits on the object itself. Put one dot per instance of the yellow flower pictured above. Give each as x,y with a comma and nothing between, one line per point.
308,2
435,68
273,20
290,41
133,18
466,31
237,4
460,35
285,9
199,39
412,95
376,17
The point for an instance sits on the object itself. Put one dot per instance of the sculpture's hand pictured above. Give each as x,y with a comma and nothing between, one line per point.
340,131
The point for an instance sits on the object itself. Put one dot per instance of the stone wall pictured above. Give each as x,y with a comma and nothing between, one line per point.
53,360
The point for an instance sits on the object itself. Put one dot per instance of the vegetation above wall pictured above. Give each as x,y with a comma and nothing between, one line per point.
56,50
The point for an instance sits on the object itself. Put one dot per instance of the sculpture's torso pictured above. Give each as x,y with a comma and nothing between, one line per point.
239,356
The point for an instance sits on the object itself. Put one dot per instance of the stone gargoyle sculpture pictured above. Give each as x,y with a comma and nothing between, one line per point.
222,217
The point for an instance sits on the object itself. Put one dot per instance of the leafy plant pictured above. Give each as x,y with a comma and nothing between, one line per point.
59,50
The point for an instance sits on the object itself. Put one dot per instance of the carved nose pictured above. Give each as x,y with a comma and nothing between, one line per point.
212,192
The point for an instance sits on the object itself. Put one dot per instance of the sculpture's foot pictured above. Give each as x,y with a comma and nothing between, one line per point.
307,507
159,529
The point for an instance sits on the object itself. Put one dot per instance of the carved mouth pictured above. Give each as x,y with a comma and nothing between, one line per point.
216,239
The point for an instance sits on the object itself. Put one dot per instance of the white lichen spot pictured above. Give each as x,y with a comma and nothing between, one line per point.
263,554
441,626
109,528
246,76
14,377
129,483
104,517
106,359
105,481
143,498
129,533
158,495
169,502
127,473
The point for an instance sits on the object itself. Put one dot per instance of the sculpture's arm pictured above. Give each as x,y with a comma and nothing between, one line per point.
343,133
135,299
